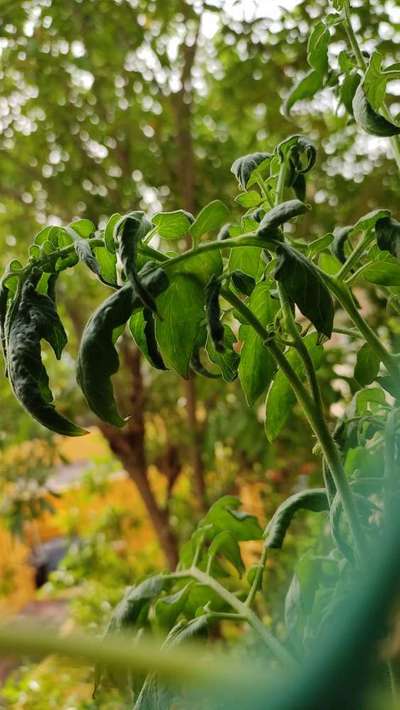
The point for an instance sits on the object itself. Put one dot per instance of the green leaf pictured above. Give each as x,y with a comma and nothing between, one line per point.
320,244
371,121
98,359
369,220
109,232
348,89
280,397
173,225
257,366
329,263
306,88
32,317
201,266
168,608
244,167
181,310
130,231
367,365
317,48
305,288
225,544
84,227
211,217
107,264
142,328
340,237
249,199
247,260
135,600
226,516
275,532
383,273
277,216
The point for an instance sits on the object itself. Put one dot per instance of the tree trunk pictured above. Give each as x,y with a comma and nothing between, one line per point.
185,166
129,446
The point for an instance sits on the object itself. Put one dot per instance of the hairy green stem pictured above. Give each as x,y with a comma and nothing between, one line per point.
357,251
257,578
345,299
315,419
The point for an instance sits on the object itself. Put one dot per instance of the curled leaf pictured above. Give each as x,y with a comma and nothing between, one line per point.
243,167
275,532
215,327
32,317
277,216
371,121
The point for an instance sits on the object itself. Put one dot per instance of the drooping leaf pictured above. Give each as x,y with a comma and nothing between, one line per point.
129,232
340,237
169,607
315,500
143,331
181,309
84,252
280,397
210,218
243,167
317,48
98,359
367,365
257,366
371,121
109,232
213,313
306,88
305,288
277,216
243,282
228,359
32,317
225,544
173,225
387,231
225,515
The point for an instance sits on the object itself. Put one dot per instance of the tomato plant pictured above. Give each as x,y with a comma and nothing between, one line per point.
249,298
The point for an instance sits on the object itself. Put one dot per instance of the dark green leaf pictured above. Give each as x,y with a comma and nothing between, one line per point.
213,312
243,282
130,231
168,608
348,89
84,252
228,359
109,232
305,288
244,166
371,121
98,359
387,232
142,327
340,237
257,366
277,216
32,317
135,599
314,499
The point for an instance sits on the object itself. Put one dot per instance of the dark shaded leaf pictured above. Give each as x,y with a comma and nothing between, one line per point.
243,167
371,121
277,216
305,288
314,499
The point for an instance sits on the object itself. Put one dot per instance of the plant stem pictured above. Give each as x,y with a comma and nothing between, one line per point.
250,617
315,419
174,665
257,578
345,299
357,251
